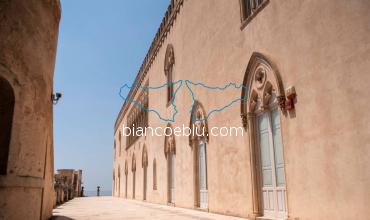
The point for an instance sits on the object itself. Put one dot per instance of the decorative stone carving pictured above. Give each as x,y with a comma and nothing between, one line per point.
263,82
244,120
281,102
260,78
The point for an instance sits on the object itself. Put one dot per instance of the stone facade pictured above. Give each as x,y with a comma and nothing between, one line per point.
28,42
67,185
303,66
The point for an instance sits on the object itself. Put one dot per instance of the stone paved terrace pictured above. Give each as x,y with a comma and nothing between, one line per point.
111,208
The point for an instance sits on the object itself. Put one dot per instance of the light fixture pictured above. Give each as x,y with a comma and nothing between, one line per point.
55,97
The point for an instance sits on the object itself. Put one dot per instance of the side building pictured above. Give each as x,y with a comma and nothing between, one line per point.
67,185
28,43
304,153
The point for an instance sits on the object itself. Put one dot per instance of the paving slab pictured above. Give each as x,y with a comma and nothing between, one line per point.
112,208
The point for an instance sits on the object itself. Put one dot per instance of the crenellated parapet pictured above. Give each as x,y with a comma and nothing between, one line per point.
164,28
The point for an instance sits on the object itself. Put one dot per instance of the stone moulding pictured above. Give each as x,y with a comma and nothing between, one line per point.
21,181
165,27
253,77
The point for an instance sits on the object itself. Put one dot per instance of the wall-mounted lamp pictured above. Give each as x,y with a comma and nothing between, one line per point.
55,97
290,96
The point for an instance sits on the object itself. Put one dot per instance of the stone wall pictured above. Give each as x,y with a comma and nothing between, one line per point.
28,42
322,48
67,185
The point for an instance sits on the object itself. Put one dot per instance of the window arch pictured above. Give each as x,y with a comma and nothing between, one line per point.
198,140
262,96
169,61
7,101
198,121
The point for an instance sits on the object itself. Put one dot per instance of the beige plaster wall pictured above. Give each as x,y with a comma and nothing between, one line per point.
28,33
320,47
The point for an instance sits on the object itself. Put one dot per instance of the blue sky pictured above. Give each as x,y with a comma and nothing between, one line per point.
101,47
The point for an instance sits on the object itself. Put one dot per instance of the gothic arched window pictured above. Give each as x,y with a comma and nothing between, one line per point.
262,97
169,61
198,140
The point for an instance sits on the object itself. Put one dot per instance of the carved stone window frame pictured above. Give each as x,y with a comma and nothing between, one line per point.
198,113
261,82
198,120
244,16
169,62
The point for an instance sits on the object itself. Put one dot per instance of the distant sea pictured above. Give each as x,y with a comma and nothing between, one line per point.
93,193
